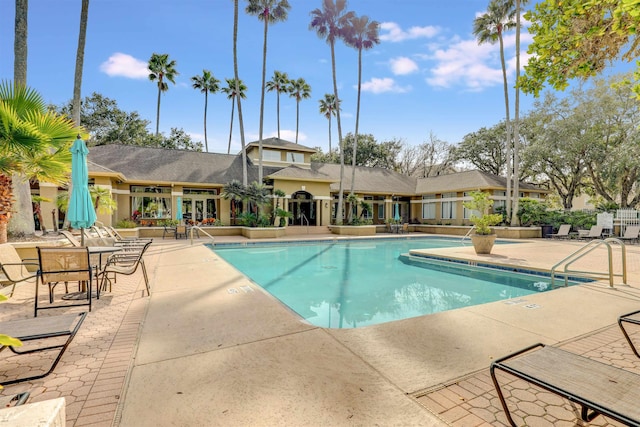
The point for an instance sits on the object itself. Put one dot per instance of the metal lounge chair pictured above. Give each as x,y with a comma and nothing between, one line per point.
13,269
632,318
563,232
598,388
125,262
41,329
595,232
631,234
63,265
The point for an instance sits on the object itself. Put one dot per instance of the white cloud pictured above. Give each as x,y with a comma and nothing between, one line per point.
465,63
123,65
394,33
290,135
376,85
403,65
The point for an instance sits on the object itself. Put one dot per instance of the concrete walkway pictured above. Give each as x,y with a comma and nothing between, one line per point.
214,349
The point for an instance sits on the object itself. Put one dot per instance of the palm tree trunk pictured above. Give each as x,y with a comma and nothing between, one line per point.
516,127
508,126
264,74
6,198
206,100
77,80
329,133
20,43
278,110
158,112
297,118
355,139
233,105
235,72
335,92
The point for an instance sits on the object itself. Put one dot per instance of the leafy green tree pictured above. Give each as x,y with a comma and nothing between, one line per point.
328,107
299,89
270,12
206,83
578,39
329,157
360,33
489,28
234,90
329,23
370,153
161,70
34,143
107,123
178,139
484,149
278,83
559,150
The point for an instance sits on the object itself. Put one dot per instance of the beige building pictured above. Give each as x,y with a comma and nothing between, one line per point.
153,184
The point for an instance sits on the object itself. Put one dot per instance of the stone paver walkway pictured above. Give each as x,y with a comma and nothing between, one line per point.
472,401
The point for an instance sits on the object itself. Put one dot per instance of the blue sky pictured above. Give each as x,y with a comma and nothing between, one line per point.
428,74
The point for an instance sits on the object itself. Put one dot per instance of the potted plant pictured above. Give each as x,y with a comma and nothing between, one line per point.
483,238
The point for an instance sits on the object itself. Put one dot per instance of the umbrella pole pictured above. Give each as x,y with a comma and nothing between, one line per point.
81,236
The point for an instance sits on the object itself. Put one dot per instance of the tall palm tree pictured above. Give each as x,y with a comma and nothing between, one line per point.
360,34
34,143
233,90
329,23
238,98
280,83
328,107
299,89
489,28
162,70
207,83
77,80
270,12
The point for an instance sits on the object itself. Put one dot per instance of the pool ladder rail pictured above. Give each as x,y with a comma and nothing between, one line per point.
587,249
468,235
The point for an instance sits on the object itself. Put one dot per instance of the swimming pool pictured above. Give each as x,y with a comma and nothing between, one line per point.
348,284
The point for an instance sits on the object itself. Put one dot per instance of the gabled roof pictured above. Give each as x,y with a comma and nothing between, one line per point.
294,172
368,180
466,181
281,143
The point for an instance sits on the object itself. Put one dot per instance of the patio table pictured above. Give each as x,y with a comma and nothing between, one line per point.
93,250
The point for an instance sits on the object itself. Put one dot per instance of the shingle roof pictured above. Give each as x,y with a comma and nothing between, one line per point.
368,180
298,173
465,181
281,143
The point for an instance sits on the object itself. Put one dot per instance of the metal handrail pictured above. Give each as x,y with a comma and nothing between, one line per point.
585,250
199,230
473,227
304,218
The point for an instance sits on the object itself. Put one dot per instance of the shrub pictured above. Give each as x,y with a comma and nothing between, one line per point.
126,223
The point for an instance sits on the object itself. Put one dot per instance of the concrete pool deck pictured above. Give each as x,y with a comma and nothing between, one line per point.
213,349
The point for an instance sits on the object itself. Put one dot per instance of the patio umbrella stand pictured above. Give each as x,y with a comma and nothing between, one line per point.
81,213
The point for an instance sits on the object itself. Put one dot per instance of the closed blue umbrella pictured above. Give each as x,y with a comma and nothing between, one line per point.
179,209
397,212
81,213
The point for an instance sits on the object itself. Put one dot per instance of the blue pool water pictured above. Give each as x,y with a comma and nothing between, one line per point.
350,284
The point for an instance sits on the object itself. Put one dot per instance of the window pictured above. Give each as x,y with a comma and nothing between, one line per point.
429,206
467,213
366,214
499,201
295,157
209,191
448,209
380,211
144,207
271,155
150,189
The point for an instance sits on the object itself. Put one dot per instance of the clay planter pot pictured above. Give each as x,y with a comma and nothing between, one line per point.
483,243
